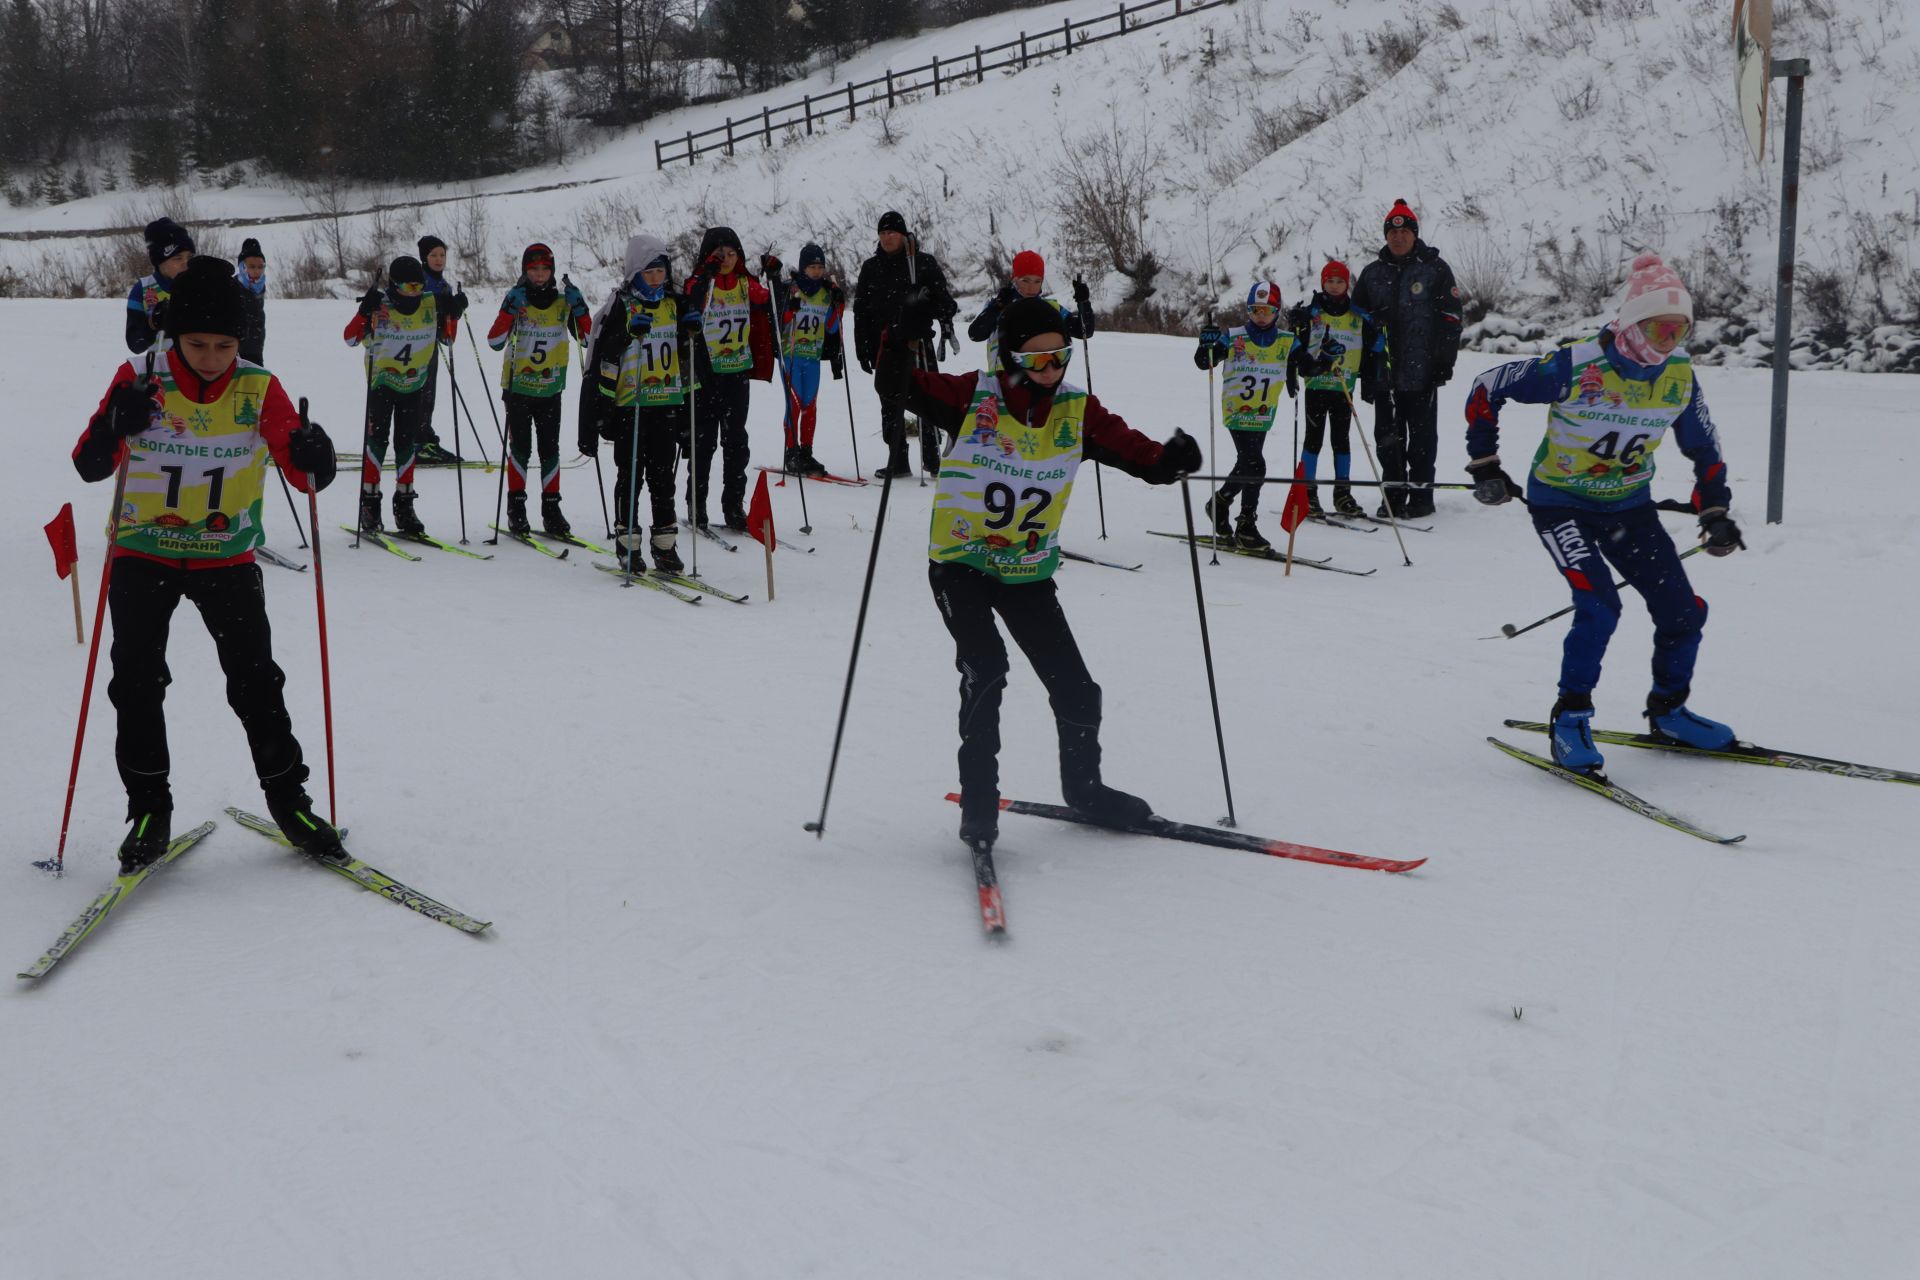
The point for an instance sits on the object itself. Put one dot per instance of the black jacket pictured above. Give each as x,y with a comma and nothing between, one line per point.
883,288
253,337
1416,303
1079,324
599,416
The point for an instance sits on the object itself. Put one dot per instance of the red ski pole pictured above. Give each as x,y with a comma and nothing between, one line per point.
58,866
320,606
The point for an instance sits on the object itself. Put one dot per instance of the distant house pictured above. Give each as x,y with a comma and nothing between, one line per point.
551,48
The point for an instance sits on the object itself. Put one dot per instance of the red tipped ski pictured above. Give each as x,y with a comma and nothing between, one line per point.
1195,834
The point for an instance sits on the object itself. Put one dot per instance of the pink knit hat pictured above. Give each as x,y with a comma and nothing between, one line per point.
1653,289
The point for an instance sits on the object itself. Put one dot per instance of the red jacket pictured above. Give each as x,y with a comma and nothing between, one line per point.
95,460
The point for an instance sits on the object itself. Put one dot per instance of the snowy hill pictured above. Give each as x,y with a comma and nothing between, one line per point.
700,1043
1543,141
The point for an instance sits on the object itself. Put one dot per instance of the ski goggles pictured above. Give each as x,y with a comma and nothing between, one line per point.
409,289
1664,332
1059,358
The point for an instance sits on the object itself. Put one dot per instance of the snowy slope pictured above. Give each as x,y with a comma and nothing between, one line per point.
701,1043
1514,122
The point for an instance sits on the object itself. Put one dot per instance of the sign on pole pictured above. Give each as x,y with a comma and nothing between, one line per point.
1753,57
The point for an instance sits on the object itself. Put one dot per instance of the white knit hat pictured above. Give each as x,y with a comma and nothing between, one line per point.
1653,289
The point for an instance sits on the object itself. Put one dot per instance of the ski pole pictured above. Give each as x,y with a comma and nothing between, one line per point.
793,410
1099,490
320,608
1393,518
693,455
1508,630
1213,458
500,489
143,383
1322,483
852,431
633,490
819,827
294,510
475,347
459,467
600,479
367,462
1206,648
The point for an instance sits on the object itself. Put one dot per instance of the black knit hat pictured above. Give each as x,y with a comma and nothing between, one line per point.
250,248
810,254
406,270
892,221
205,298
165,237
1022,320
428,244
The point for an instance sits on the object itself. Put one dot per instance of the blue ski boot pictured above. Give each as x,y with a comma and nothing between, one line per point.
1572,734
1668,714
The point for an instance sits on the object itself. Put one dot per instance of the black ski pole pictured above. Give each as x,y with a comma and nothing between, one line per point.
500,490
1099,490
600,479
291,506
793,411
852,431
1206,647
819,828
1508,630
459,466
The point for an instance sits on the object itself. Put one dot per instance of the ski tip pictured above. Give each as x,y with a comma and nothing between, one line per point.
1404,867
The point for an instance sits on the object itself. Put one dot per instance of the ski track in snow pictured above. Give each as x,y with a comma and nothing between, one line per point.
699,1042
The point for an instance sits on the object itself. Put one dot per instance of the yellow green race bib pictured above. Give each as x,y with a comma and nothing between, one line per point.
1004,486
1255,377
403,346
539,351
1600,440
195,478
725,323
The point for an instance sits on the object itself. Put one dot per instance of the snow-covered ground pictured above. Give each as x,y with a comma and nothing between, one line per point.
700,1043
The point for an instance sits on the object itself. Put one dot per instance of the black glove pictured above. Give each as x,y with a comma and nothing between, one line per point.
1293,384
456,306
1082,296
914,323
130,408
1181,453
1719,534
588,434
370,302
1209,350
770,266
866,364
1492,486
1366,387
1005,297
1443,375
311,450
947,336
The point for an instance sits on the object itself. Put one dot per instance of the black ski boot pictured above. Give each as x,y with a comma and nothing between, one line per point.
1080,783
1313,502
810,465
665,558
551,518
1418,504
736,520
310,833
1217,510
517,515
1344,502
791,462
979,818
626,550
435,454
146,841
370,518
404,518
1246,533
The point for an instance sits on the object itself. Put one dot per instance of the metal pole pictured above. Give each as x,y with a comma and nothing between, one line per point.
1794,72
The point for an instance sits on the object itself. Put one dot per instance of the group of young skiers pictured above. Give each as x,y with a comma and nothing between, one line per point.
668,368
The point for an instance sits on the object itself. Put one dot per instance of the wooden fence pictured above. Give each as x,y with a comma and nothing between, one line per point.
882,92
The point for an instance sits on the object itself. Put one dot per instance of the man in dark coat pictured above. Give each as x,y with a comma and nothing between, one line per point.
1410,293
896,273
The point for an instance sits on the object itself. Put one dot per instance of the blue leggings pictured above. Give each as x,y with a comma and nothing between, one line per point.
1635,544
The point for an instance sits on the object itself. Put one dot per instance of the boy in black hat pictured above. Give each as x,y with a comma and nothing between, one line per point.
252,275
192,426
1018,437
401,327
169,249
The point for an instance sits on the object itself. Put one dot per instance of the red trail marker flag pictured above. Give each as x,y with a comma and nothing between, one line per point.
66,560
1294,513
760,525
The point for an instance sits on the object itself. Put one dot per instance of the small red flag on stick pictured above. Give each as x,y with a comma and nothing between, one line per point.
66,560
1294,513
760,525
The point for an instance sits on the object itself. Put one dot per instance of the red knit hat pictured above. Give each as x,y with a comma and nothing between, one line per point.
1334,270
1028,263
1402,215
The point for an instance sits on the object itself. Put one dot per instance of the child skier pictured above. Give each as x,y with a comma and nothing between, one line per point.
1614,398
169,249
401,327
1018,437
433,259
810,321
187,530
252,275
636,399
730,349
1259,360
1030,281
1336,332
537,324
